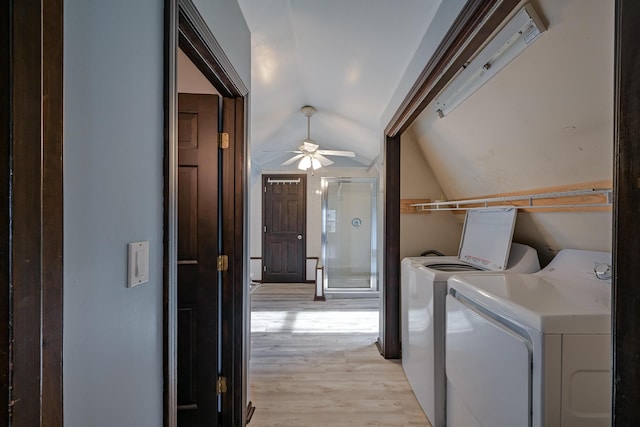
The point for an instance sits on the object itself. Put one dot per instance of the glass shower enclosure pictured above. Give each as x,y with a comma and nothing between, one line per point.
349,236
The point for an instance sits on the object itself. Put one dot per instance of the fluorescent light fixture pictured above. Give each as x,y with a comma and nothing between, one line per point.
509,42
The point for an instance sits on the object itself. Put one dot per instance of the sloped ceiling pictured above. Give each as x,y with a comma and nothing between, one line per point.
345,58
545,120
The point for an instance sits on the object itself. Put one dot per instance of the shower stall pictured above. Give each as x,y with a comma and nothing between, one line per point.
349,237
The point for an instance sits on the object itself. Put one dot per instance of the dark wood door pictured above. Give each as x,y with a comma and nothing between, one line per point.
197,260
284,218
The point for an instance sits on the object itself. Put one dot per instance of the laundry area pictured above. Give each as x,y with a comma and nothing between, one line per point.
512,326
508,344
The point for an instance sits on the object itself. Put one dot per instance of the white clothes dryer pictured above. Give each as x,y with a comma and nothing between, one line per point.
531,350
485,246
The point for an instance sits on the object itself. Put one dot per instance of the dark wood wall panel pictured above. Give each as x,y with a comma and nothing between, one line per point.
32,230
27,221
52,213
390,331
5,212
626,233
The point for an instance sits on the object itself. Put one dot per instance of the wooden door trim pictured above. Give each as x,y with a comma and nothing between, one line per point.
5,206
170,217
233,244
626,226
185,27
389,340
32,228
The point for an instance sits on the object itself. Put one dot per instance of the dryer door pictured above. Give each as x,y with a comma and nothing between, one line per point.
488,369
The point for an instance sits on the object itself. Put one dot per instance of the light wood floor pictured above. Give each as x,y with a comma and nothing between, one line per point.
315,363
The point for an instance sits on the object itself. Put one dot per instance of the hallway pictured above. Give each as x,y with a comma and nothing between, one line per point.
315,363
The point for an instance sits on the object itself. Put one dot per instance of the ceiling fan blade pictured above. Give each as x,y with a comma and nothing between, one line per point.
282,151
336,153
323,160
293,159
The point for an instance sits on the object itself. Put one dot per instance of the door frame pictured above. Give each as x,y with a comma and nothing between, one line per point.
185,27
626,226
31,208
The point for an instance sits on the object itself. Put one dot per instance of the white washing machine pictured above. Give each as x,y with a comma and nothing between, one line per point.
531,350
485,247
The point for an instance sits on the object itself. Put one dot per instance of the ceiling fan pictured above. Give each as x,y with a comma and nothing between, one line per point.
308,153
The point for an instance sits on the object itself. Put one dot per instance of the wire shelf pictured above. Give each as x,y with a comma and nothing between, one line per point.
456,205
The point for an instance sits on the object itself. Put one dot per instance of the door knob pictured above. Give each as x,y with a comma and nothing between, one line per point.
299,236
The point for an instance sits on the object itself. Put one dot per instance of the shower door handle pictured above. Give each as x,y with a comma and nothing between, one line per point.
299,236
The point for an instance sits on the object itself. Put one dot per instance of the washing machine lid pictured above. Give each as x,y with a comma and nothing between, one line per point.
548,305
486,237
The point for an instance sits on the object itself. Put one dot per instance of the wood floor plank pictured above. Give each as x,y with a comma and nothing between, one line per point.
315,363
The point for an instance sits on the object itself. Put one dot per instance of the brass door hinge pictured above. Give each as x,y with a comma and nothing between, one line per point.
221,385
223,140
223,263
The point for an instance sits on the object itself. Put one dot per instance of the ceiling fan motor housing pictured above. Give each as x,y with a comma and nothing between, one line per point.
308,110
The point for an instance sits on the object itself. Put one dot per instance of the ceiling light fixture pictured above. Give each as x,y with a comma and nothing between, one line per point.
508,43
308,161
308,154
305,163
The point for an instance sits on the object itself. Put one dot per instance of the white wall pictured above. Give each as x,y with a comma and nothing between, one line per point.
113,194
314,214
418,232
545,120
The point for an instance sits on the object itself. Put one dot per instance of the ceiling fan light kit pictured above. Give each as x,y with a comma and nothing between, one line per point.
305,163
308,153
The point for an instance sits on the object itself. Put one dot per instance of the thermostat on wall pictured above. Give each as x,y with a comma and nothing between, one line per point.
138,263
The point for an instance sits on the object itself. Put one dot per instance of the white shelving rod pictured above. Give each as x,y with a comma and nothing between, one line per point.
452,205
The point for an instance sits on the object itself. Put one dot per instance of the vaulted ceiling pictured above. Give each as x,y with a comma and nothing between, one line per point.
344,57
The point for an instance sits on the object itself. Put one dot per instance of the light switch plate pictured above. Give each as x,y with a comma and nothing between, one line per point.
138,263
